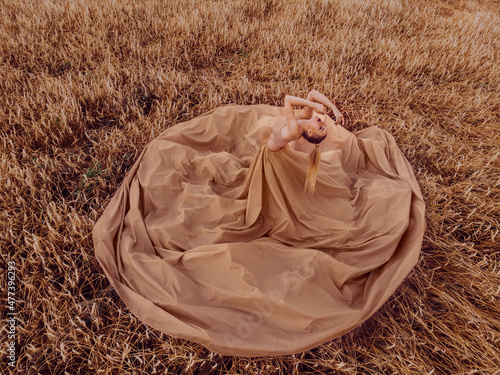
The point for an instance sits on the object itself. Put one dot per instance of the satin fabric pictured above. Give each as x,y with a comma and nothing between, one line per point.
211,238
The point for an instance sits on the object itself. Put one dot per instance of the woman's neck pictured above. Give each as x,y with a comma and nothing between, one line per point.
302,126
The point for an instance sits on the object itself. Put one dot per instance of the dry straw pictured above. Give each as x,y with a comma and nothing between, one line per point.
85,85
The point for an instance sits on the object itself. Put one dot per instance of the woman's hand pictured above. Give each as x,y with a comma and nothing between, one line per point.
339,117
323,109
323,105
320,108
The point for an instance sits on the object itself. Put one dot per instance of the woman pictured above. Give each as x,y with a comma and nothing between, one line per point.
312,128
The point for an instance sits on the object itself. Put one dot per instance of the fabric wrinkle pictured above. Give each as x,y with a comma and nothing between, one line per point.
211,238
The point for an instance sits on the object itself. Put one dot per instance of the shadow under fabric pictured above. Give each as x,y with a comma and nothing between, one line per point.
211,238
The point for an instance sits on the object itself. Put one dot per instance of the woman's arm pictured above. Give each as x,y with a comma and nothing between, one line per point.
307,112
316,96
292,124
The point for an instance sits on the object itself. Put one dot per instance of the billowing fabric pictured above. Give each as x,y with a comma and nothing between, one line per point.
211,238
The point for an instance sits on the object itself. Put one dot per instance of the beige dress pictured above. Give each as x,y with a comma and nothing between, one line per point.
210,237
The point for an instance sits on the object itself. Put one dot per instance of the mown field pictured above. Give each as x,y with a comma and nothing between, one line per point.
85,85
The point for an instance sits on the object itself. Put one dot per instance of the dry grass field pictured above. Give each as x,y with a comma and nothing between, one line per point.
86,84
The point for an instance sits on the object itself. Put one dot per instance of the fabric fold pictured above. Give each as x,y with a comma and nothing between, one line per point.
211,238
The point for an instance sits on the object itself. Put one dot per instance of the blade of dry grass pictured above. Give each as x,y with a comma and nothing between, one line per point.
87,84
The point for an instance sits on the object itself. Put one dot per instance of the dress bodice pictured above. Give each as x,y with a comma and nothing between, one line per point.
277,138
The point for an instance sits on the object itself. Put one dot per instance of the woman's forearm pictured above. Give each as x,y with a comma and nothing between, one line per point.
295,101
308,105
290,101
315,95
307,112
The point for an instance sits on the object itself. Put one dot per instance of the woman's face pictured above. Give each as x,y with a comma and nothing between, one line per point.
316,126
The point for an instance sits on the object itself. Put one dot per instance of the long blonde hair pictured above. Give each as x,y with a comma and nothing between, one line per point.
312,170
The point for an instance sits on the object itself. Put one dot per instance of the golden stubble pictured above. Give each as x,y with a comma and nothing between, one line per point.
85,85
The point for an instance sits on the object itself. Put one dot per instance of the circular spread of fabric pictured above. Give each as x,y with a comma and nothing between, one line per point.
211,238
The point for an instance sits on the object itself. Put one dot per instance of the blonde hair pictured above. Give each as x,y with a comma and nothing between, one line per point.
312,170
